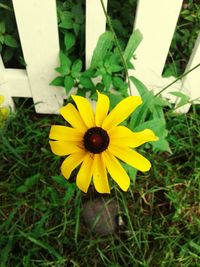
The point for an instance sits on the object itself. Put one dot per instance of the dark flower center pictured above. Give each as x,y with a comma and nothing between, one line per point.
96,140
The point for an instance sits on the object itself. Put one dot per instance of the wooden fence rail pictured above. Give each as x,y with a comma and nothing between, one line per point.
38,31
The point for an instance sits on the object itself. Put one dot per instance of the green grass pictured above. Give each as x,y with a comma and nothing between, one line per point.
40,220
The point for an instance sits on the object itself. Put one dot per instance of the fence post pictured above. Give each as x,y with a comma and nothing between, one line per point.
37,26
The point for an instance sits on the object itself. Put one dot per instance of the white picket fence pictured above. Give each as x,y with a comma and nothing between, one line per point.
38,30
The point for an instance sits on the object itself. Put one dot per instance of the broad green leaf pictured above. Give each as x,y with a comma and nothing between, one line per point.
64,60
63,70
86,82
134,41
141,112
10,41
142,89
58,81
76,68
107,79
104,44
66,20
68,83
161,145
21,189
88,73
156,125
115,68
117,82
69,40
66,24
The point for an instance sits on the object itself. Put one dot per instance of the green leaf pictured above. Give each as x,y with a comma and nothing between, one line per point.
58,81
65,61
10,41
66,20
107,79
161,145
29,182
76,28
148,99
184,99
63,70
86,82
88,73
115,68
1,39
2,27
60,180
156,125
69,40
104,44
117,82
134,41
68,83
76,68
21,189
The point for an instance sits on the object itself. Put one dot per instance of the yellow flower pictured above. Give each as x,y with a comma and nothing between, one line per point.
97,142
3,111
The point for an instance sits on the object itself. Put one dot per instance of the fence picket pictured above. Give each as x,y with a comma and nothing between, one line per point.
156,20
191,82
95,26
37,25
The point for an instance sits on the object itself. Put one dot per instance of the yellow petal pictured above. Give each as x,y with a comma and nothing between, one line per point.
131,157
1,99
63,148
64,133
84,176
122,136
102,109
72,116
85,110
122,110
71,162
100,177
116,171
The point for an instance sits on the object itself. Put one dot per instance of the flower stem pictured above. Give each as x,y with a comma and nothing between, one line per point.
108,20
179,78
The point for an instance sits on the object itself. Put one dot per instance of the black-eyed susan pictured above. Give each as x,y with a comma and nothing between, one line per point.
96,141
